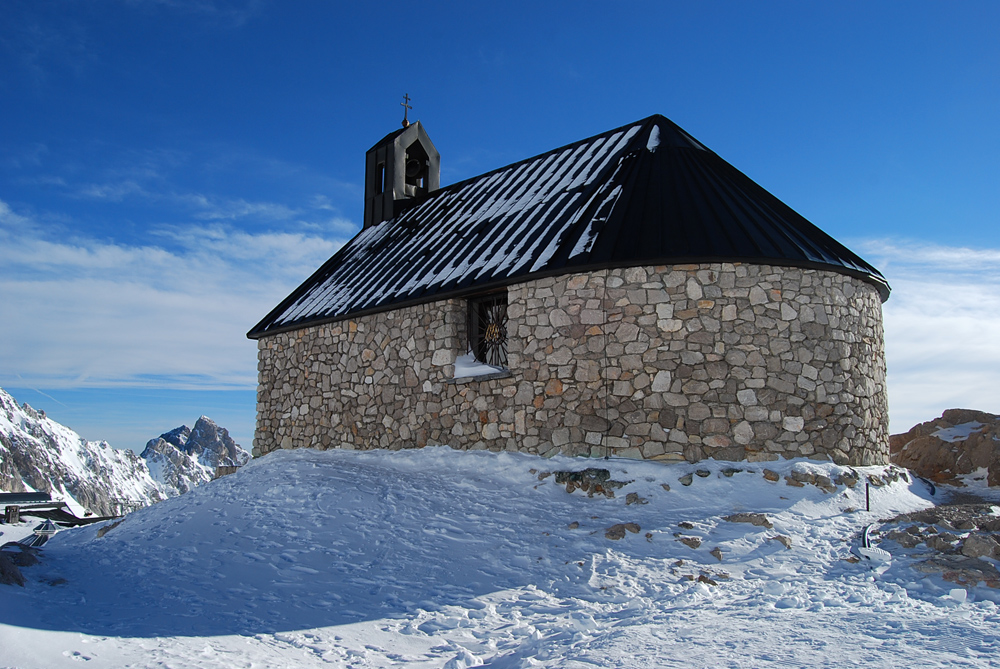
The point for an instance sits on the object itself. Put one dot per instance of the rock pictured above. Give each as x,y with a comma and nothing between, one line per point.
686,479
756,519
956,559
729,471
593,481
665,487
633,498
961,569
590,474
904,538
690,542
850,479
615,532
703,473
803,477
717,552
9,573
782,539
794,483
825,484
25,557
685,525
944,542
980,545
107,528
573,525
770,475
956,444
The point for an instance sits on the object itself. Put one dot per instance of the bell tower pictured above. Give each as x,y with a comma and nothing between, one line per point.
403,166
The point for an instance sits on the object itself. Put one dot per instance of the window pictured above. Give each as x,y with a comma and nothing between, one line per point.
488,328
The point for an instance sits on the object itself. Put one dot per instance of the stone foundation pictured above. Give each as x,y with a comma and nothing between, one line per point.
684,362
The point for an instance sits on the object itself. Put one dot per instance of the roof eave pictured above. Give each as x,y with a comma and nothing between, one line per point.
878,282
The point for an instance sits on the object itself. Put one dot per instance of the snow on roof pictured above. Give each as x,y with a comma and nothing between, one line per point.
645,193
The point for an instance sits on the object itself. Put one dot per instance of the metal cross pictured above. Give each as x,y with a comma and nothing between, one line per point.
406,109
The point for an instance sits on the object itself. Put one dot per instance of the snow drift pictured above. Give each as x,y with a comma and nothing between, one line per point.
441,558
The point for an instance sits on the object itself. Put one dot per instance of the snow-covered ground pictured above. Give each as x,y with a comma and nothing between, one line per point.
440,558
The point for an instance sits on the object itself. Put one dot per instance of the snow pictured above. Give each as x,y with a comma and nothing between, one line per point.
496,224
654,139
439,558
467,365
958,433
67,459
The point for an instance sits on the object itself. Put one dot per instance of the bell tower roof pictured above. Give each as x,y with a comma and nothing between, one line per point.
402,168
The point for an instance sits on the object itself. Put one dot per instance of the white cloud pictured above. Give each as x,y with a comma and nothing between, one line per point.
95,313
942,328
90,312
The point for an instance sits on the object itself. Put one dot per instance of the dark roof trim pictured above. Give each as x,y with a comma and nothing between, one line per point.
880,286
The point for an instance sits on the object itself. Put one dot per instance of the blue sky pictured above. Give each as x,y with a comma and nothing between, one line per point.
171,169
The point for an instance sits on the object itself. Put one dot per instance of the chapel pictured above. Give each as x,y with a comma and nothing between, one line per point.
631,294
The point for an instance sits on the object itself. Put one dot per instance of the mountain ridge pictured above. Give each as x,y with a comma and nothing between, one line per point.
39,454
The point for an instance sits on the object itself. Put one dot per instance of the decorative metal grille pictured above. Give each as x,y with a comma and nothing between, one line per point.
488,329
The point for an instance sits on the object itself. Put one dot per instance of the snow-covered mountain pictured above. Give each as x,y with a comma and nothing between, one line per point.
37,453
184,457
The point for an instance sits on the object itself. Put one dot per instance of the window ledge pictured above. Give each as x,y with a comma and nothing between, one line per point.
500,374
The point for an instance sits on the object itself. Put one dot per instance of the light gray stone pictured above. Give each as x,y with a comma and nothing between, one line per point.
676,346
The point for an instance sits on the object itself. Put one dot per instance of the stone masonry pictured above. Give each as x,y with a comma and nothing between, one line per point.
682,362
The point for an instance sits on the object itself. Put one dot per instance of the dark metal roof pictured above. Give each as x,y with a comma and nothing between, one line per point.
23,497
643,194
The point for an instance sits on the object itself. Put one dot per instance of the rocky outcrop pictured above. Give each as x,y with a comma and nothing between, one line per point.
184,457
950,540
37,453
959,443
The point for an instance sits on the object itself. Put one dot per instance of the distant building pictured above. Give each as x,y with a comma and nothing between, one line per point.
630,294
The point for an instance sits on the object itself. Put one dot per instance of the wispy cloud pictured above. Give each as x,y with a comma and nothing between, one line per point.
89,312
942,326
113,192
232,13
216,209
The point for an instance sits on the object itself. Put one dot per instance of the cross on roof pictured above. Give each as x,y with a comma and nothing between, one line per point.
406,108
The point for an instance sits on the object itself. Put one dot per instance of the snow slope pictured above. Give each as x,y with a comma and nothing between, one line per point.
440,558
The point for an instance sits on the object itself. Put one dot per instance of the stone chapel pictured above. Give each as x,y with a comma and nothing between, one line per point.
631,294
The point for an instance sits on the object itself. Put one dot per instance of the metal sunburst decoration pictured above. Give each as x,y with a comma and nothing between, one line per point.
491,346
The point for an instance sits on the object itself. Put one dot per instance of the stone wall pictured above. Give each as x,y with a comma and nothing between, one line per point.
731,361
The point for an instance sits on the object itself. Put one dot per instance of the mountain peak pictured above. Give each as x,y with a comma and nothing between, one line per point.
186,457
